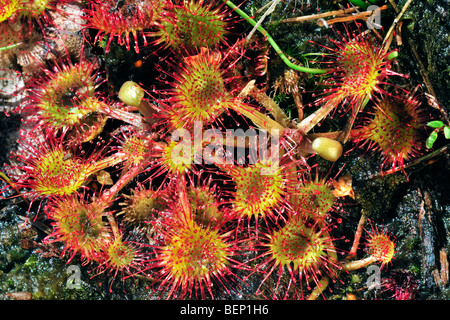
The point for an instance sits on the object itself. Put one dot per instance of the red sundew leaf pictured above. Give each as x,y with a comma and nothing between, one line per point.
115,22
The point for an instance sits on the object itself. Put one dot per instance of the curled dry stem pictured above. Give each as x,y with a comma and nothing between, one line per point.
362,15
388,37
317,16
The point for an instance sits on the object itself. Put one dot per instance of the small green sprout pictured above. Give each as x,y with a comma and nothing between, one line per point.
438,126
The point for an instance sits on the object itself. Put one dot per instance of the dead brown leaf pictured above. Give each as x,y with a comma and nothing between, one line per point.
343,187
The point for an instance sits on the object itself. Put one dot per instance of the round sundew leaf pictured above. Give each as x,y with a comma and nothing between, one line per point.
199,92
193,257
193,25
113,20
120,255
395,129
8,9
55,175
66,96
381,246
79,225
258,189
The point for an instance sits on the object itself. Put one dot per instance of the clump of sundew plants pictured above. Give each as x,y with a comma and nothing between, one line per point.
187,174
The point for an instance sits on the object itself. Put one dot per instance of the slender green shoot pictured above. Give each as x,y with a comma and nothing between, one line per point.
11,46
273,43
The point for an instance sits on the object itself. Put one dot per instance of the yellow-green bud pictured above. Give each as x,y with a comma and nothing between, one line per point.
131,93
328,149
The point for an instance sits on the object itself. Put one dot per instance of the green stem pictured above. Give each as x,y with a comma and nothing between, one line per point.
360,4
273,43
11,46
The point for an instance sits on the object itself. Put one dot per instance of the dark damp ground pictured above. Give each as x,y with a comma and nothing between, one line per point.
414,206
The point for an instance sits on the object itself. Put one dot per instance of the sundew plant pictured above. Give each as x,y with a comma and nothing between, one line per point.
212,166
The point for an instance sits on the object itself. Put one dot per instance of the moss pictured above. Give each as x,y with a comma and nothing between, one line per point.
44,278
379,196
22,270
429,33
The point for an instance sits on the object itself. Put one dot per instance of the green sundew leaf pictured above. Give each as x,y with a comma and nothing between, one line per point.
447,132
435,124
431,139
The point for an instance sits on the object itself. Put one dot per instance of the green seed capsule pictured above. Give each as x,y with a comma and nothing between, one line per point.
131,93
328,149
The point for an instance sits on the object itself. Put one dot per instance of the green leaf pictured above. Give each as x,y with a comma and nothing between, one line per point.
447,132
435,124
431,139
393,55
